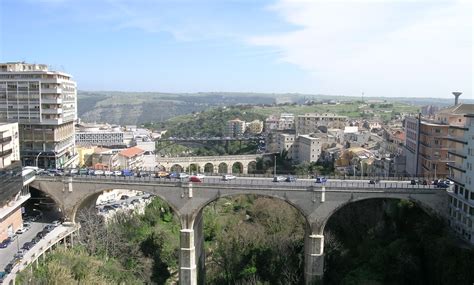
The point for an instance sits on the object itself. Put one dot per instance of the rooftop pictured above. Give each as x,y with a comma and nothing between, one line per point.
131,152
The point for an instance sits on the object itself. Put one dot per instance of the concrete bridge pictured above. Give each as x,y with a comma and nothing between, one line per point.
316,202
209,164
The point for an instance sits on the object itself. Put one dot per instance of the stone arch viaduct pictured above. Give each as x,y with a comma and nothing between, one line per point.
210,164
316,202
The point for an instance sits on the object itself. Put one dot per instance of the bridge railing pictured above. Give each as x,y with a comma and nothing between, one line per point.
382,185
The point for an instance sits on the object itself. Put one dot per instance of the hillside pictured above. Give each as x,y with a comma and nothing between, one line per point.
143,107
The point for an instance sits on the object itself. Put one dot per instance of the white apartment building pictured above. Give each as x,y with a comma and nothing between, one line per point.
304,148
99,135
461,212
44,103
13,180
285,121
311,122
9,144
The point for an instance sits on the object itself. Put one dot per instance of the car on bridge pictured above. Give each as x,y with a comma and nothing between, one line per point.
228,177
195,179
27,245
279,179
108,173
161,174
173,175
290,179
183,175
98,172
321,180
117,173
127,172
83,171
199,175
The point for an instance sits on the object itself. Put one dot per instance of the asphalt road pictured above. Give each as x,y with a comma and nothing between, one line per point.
6,254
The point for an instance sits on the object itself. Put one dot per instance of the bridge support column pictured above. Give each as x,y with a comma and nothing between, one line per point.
192,255
245,169
313,258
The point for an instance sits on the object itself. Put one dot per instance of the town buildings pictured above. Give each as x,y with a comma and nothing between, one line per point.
428,141
13,181
235,128
99,135
461,201
311,122
131,158
44,103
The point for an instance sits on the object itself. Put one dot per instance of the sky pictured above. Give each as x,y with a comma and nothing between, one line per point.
382,48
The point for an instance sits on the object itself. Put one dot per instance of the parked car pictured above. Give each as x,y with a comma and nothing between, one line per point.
108,173
371,181
83,171
73,172
117,173
8,268
127,172
290,179
143,174
91,172
195,179
228,177
55,223
124,197
99,172
321,180
41,234
21,230
27,245
279,179
2,276
413,182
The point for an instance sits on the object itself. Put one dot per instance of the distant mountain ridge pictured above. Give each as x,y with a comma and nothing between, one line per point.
141,107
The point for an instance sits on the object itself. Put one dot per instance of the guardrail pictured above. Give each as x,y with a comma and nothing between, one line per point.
258,184
35,252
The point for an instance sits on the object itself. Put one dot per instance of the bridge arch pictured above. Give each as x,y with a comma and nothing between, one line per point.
252,167
208,168
429,208
238,167
176,168
194,167
223,167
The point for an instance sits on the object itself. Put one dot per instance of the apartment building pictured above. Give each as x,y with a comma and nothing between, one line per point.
99,135
285,121
461,200
287,143
131,158
312,123
235,128
428,141
44,103
13,192
9,144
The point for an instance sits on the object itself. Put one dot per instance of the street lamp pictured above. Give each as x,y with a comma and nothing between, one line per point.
275,165
36,164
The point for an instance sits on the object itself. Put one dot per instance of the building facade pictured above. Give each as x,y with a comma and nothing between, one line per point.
311,123
9,144
235,128
461,212
13,192
131,158
44,103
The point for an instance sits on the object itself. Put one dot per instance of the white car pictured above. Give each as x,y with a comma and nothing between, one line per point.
21,231
183,175
99,172
108,173
118,173
279,179
55,223
199,175
74,171
228,177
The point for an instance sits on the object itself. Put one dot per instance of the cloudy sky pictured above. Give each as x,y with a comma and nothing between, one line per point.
388,48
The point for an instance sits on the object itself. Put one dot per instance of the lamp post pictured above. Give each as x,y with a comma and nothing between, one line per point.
36,160
275,165
361,170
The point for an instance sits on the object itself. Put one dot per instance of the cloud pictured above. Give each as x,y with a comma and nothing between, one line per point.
382,48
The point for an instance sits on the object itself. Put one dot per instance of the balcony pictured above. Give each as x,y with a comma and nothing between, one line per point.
58,121
457,167
55,90
5,139
52,111
452,152
456,139
6,152
51,100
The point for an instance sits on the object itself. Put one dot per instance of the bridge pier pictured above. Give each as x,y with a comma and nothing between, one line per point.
192,255
313,258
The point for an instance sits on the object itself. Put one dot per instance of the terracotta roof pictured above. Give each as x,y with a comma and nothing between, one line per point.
458,109
101,150
131,152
